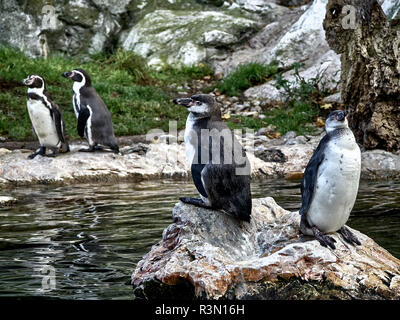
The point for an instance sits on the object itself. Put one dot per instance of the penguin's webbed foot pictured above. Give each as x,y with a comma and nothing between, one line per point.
349,236
41,151
323,239
196,202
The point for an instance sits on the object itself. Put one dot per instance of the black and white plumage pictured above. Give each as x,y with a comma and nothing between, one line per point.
219,166
47,120
330,183
94,119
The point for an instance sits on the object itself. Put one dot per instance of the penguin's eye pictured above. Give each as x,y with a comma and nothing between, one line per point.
198,103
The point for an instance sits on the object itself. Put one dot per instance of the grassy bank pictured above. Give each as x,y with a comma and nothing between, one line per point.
139,98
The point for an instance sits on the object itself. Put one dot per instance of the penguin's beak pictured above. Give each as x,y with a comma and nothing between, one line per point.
68,74
187,102
341,116
26,82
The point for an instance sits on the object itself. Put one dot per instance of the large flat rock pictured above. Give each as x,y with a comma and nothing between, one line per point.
209,255
161,160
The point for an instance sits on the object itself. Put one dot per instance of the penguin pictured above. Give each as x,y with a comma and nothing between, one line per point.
219,166
94,119
330,184
47,121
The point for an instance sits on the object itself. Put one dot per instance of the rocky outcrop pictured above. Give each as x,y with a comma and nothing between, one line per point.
136,162
286,157
297,38
188,37
206,254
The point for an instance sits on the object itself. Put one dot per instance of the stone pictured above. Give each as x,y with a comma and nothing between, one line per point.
6,201
271,155
182,37
334,98
289,135
267,92
206,254
140,149
377,164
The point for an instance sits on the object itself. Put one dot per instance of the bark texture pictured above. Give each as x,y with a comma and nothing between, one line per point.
370,80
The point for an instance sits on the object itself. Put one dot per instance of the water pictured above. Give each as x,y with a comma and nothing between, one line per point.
92,236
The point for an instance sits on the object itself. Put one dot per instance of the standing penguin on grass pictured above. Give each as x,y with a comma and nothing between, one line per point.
47,120
330,184
94,119
220,168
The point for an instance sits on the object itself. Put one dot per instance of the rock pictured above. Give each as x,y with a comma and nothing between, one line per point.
160,160
6,201
4,151
207,254
266,91
378,164
265,11
296,39
334,98
140,149
271,155
391,8
271,158
260,45
76,27
265,131
184,36
289,135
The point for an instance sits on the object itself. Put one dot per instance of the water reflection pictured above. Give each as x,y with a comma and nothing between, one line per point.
93,235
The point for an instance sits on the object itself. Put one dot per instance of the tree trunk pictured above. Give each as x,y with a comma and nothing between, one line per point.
370,80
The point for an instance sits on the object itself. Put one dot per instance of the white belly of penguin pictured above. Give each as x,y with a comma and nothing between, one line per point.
337,186
43,123
191,142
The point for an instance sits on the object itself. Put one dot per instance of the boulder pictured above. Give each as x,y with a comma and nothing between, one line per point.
76,27
185,37
207,254
297,36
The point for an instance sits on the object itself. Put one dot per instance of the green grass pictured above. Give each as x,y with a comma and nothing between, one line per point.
246,76
301,105
303,98
138,97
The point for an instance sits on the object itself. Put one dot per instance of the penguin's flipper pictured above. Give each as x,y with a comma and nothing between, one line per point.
58,121
196,170
84,114
228,190
311,174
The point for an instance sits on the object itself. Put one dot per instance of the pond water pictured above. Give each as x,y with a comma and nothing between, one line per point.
91,236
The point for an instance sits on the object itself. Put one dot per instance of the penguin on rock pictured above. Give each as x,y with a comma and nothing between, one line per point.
94,119
330,183
219,166
47,121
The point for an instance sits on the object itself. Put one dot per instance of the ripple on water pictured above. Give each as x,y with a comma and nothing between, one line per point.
93,235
